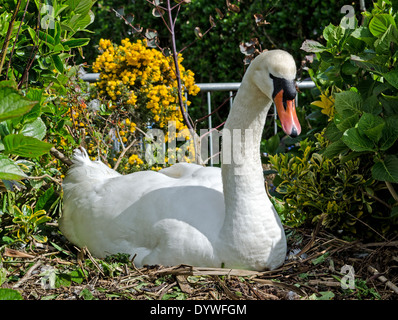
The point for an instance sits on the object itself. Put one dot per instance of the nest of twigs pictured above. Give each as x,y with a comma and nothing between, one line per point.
313,270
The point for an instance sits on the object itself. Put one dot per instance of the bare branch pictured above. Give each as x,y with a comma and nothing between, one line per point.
59,155
8,36
125,149
178,73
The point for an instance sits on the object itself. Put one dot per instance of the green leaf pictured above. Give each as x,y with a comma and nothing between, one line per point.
348,68
79,22
9,170
325,295
372,66
23,146
83,7
272,144
356,142
390,133
73,23
386,170
58,63
334,149
72,4
394,4
9,83
39,237
380,23
74,43
348,100
383,43
44,198
329,33
392,78
312,46
13,104
320,259
372,126
3,275
36,129
86,294
36,95
62,280
77,276
9,294
346,120
363,34
389,105
394,212
57,31
41,37
45,37
60,249
372,105
332,132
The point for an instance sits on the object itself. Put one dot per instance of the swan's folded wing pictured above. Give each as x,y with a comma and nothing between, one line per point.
194,174
180,170
119,213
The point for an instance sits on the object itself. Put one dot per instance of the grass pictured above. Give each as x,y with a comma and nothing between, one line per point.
59,271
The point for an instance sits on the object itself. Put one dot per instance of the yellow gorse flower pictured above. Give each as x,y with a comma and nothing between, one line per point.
140,84
135,160
137,76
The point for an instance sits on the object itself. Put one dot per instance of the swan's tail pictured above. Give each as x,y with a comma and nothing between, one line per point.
80,169
80,156
84,169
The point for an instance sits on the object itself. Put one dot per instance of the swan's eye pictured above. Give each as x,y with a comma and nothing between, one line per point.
288,87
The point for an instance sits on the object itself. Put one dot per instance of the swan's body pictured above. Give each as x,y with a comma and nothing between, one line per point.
187,213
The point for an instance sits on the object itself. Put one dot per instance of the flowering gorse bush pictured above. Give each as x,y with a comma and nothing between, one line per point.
142,81
137,91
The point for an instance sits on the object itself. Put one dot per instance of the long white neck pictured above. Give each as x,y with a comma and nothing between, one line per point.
249,218
243,130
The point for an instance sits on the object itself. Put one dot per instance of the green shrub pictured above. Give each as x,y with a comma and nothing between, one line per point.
358,67
42,39
356,77
38,40
340,193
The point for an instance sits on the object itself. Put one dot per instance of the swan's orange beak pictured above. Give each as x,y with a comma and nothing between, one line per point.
287,114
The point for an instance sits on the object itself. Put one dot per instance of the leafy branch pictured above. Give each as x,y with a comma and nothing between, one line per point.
8,36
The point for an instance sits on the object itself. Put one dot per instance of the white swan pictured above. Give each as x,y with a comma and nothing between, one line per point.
187,213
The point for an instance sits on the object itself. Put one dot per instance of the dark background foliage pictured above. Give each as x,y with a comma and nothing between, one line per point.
217,57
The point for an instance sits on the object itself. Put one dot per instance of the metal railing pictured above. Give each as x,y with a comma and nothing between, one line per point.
231,87
213,87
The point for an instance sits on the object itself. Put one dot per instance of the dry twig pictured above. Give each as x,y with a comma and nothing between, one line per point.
27,275
383,279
